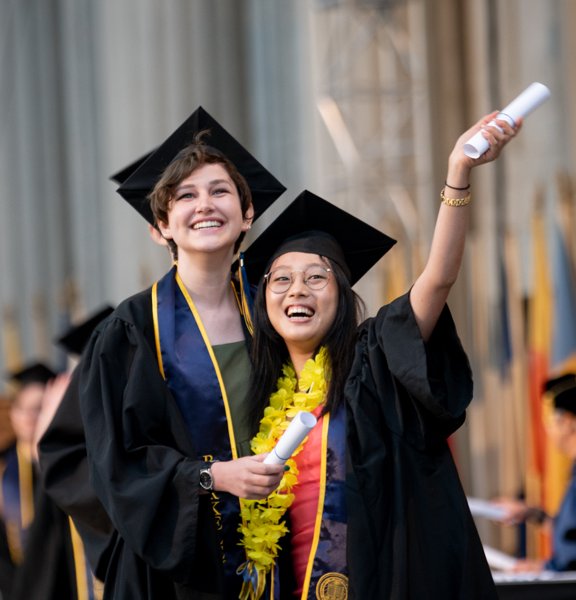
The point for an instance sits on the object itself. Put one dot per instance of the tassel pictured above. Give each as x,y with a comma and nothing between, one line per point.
254,581
246,299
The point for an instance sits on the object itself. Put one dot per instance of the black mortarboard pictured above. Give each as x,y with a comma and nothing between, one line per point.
75,339
264,186
311,224
563,391
121,176
32,373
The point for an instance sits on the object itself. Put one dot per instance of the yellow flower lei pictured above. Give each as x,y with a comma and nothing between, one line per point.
263,521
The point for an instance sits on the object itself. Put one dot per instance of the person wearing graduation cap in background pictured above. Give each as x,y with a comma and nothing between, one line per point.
372,506
54,564
17,471
54,533
561,428
161,384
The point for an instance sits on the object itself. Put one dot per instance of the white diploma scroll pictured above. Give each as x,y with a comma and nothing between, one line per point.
486,509
498,559
298,429
531,98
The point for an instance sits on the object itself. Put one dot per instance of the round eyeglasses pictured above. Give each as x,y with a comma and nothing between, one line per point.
280,280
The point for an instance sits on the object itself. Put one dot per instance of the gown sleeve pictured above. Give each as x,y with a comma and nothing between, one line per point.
423,388
138,449
410,532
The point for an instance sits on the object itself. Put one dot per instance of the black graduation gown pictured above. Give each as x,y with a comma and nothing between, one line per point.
65,478
6,564
47,571
139,454
410,532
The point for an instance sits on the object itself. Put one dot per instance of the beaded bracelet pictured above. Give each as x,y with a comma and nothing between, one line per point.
455,201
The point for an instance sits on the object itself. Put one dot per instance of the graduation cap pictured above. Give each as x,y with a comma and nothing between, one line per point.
311,224
137,186
36,372
75,339
121,176
563,391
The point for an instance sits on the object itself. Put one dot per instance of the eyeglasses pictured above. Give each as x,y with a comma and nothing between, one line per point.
280,280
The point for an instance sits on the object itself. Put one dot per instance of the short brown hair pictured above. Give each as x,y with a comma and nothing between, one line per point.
190,158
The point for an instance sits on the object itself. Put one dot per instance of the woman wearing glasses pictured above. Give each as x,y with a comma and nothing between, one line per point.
372,506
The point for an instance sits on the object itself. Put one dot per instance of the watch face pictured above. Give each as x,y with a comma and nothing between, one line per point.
206,479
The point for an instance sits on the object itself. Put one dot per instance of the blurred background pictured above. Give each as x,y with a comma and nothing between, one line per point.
359,101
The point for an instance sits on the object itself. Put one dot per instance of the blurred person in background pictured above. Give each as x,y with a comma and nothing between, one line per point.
18,484
55,524
561,427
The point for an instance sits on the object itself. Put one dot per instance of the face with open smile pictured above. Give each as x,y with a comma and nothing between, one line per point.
205,214
302,315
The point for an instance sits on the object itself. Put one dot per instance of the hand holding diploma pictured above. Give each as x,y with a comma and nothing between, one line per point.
530,99
298,429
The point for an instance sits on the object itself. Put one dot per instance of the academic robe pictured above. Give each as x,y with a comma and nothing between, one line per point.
65,478
140,456
6,563
410,533
47,571
45,568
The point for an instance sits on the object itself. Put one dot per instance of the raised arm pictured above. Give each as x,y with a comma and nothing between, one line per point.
430,291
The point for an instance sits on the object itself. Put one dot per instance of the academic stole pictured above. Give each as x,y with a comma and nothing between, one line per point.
17,489
327,572
189,367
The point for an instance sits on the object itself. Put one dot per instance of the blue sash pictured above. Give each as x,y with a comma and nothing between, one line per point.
188,365
327,570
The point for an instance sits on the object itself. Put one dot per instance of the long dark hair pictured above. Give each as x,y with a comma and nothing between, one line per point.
269,351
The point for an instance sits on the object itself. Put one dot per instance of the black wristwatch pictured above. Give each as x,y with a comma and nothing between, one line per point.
206,480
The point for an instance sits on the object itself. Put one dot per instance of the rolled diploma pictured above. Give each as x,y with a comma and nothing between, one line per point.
298,429
531,98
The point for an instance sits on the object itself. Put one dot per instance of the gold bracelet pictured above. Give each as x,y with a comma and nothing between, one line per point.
455,201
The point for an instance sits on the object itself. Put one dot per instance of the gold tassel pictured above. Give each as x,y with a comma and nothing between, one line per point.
245,309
